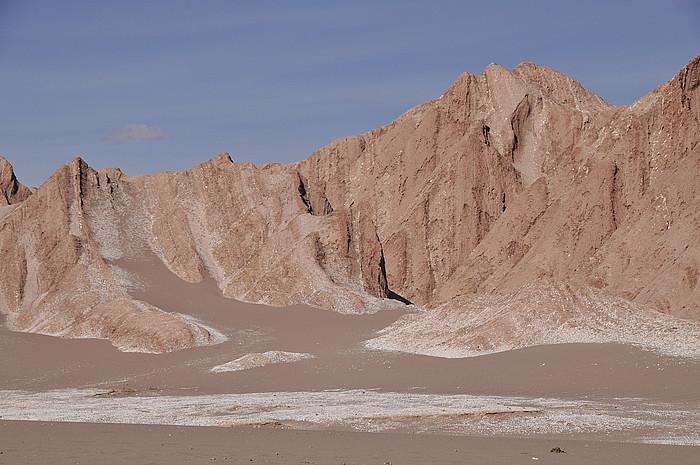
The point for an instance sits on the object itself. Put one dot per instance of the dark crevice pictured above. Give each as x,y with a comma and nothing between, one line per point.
613,197
394,296
305,195
383,283
15,184
485,130
327,207
517,122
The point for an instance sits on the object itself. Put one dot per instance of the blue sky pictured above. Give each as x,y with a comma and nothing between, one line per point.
164,85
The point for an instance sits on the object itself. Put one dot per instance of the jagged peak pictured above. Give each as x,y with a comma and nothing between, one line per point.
462,80
113,173
220,161
76,165
11,190
688,79
684,84
559,87
7,172
499,78
692,66
70,172
495,68
501,87
224,157
530,70
78,161
468,77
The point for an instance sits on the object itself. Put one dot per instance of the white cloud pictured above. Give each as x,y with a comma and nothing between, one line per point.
132,133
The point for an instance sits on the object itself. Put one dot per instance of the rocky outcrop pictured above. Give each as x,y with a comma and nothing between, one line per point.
514,176
11,190
615,210
509,178
56,281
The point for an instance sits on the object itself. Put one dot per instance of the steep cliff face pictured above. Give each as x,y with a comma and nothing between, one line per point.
507,179
615,209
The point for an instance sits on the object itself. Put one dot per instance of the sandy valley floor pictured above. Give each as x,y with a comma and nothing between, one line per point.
82,401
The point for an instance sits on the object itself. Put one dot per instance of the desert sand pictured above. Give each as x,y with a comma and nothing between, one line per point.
79,443
91,403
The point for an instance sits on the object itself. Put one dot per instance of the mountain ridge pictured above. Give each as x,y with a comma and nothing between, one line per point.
508,178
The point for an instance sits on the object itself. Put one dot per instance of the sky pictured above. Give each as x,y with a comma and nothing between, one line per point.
164,85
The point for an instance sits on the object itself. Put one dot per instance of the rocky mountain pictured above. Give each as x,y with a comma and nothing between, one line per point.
11,190
509,180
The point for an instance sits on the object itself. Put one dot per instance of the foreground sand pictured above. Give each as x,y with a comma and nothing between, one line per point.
79,443
601,384
601,403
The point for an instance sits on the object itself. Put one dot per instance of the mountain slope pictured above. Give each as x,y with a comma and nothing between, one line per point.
55,280
509,178
540,312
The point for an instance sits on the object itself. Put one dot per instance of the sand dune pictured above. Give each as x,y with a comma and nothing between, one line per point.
543,312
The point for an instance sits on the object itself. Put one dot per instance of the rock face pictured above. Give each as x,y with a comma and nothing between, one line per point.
11,191
508,179
56,280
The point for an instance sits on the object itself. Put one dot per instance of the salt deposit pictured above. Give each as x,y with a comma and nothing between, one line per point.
255,360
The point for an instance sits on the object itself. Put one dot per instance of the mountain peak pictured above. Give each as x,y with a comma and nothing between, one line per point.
689,81
11,190
224,157
559,87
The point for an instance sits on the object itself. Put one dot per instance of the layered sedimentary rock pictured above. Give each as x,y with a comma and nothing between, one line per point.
507,179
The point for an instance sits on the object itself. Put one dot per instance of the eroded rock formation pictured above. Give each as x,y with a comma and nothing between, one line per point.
11,190
509,178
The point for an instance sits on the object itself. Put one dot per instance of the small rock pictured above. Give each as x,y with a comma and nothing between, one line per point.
557,450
